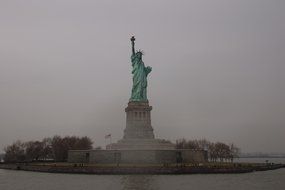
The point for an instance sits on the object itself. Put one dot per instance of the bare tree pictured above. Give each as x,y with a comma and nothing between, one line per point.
47,153
235,151
216,151
55,148
33,150
61,146
15,152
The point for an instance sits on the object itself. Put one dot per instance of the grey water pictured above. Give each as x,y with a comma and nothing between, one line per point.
261,160
22,180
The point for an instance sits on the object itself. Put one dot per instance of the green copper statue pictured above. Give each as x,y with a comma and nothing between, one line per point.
140,73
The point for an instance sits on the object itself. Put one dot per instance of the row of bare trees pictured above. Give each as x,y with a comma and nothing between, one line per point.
217,151
55,148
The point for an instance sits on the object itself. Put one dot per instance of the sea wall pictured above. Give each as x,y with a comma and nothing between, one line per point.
178,169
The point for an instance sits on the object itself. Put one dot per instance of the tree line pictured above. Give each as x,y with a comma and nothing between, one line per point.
217,151
56,149
48,149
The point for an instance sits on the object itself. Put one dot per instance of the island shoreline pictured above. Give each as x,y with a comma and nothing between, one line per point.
153,170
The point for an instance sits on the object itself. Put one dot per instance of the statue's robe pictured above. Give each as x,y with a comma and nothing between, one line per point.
140,73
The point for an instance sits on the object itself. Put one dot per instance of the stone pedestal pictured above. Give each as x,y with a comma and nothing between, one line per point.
138,121
138,134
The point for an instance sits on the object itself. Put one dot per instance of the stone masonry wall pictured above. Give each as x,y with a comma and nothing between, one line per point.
137,156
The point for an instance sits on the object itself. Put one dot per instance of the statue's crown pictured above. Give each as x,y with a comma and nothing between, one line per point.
140,52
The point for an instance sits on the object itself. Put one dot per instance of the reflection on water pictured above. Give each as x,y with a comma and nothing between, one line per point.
138,182
21,180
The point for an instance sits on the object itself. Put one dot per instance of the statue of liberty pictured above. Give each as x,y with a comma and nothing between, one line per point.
140,73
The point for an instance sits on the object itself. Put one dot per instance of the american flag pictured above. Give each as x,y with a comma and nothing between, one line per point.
107,136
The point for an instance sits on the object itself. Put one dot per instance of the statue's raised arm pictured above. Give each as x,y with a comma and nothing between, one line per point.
133,44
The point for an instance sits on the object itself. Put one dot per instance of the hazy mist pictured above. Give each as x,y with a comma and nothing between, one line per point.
218,69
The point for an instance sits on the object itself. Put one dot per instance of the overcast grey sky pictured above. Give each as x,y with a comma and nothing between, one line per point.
217,69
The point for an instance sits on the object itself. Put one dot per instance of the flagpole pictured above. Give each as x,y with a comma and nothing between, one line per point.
110,137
